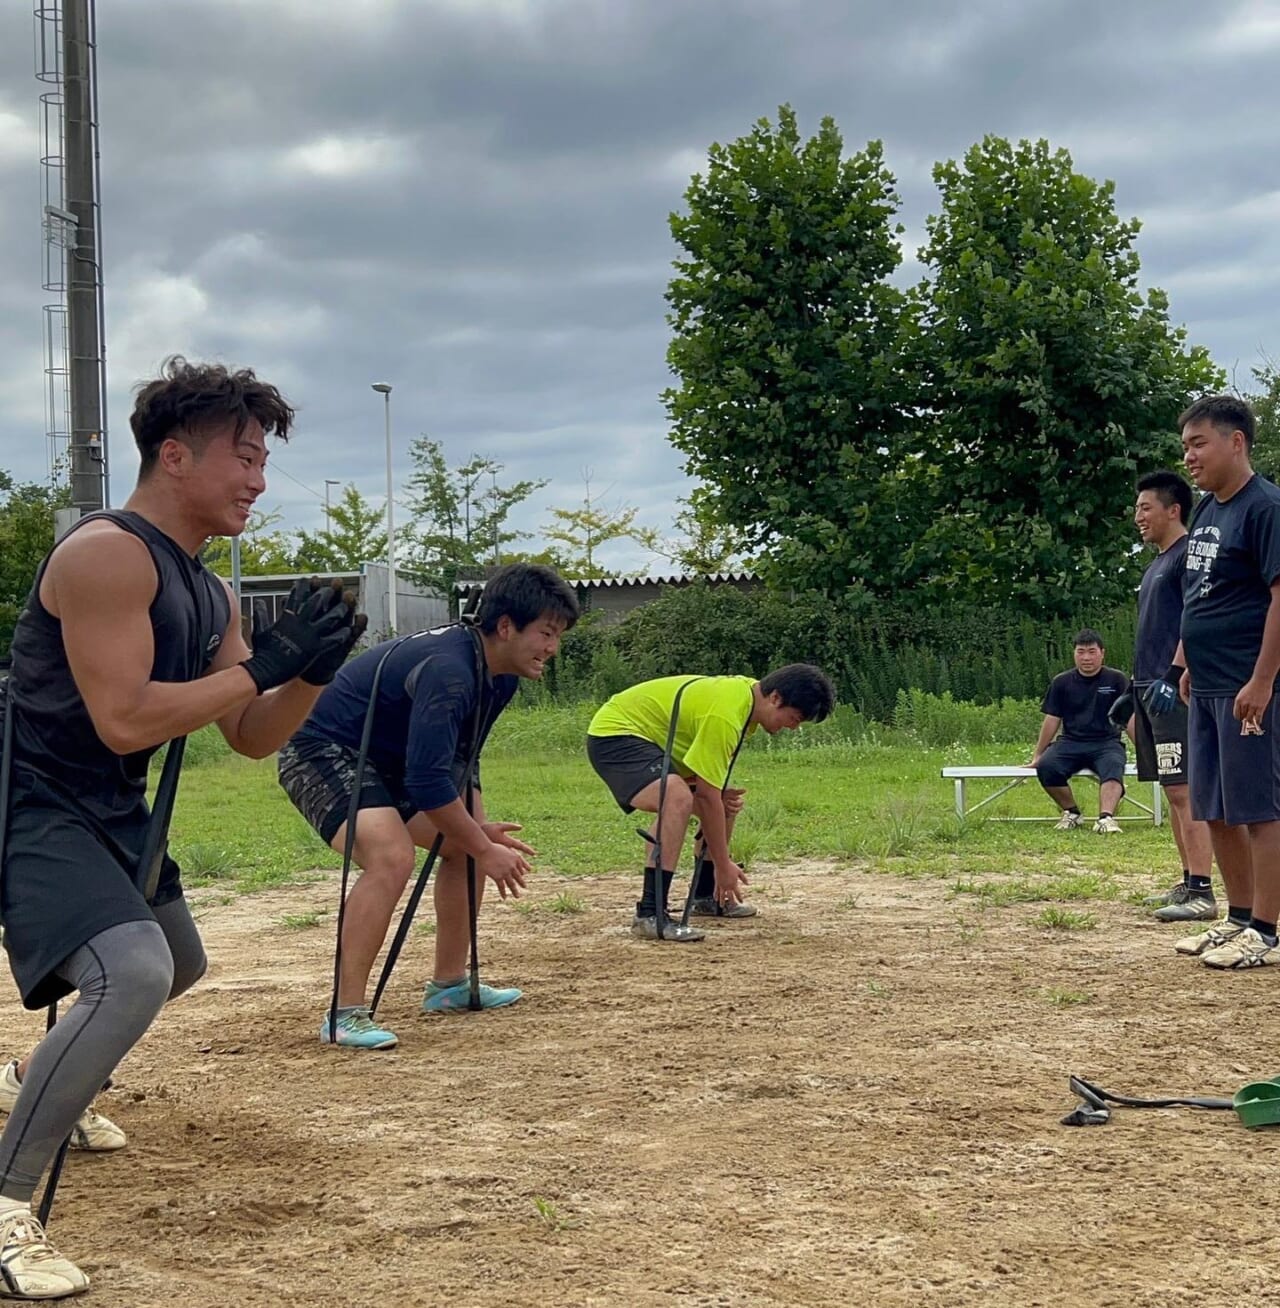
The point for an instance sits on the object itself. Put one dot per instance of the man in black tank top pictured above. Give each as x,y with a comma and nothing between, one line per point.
127,642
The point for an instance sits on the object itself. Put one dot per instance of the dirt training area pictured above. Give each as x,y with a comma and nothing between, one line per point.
852,1100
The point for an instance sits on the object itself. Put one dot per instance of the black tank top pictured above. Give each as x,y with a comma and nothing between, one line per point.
53,733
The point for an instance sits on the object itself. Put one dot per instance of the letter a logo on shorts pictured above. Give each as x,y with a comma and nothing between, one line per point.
1251,727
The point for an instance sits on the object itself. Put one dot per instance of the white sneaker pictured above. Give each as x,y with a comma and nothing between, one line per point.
92,1132
1248,949
1068,821
1107,826
30,1267
1214,938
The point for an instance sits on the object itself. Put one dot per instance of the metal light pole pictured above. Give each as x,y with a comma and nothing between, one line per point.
328,523
385,391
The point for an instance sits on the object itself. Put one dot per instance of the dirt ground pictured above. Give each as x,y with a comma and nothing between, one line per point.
854,1099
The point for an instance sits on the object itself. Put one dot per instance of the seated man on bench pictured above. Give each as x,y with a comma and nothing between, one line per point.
1080,701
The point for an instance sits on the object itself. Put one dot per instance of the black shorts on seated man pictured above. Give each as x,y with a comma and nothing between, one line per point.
1080,702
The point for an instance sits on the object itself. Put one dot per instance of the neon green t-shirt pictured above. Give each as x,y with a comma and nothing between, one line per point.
713,713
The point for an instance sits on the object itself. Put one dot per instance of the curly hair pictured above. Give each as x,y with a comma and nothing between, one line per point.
192,401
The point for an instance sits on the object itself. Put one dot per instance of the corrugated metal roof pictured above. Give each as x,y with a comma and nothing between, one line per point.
656,579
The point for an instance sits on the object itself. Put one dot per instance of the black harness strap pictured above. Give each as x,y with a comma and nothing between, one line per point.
655,839
411,907
353,812
1093,1108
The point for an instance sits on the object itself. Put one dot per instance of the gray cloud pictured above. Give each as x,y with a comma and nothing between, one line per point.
469,199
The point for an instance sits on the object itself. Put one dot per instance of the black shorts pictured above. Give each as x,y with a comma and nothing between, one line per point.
1234,778
319,775
626,764
1064,758
68,874
1161,743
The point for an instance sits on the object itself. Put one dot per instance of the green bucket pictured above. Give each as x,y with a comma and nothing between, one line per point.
1258,1104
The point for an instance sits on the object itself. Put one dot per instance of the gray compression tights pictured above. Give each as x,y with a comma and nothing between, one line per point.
124,976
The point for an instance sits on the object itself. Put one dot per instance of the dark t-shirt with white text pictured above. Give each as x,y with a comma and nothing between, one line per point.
1233,556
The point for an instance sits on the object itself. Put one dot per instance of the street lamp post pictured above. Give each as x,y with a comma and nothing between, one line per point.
328,522
384,390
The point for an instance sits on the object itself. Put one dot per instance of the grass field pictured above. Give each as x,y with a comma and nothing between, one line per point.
873,800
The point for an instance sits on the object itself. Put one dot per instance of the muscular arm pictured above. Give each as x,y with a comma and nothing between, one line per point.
100,584
261,726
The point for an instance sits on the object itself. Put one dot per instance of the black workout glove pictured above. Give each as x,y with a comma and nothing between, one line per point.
1122,710
314,619
1162,696
322,670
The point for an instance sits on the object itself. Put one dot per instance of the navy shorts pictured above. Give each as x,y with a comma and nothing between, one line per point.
1064,758
1161,743
1234,778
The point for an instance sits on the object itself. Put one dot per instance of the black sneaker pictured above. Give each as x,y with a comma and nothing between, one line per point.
1174,895
1187,905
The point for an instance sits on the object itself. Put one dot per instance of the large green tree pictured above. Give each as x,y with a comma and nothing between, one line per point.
26,536
1051,381
264,550
576,535
792,405
458,515
1264,396
355,533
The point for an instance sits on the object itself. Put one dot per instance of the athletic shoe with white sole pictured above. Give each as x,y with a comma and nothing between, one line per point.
1068,822
357,1030
92,1132
1107,826
646,928
1188,906
1207,940
1248,949
1174,895
457,998
709,908
30,1267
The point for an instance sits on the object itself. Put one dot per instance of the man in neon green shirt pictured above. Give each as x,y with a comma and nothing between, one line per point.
626,742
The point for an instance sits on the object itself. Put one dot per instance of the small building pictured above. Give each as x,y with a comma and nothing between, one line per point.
417,609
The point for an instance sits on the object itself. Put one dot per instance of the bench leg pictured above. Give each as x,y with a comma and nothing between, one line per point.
1157,803
959,797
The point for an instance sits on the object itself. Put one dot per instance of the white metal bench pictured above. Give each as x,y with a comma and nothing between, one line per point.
1015,776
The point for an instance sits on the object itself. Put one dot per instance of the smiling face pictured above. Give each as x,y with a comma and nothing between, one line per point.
1156,521
218,476
1215,456
524,653
1089,659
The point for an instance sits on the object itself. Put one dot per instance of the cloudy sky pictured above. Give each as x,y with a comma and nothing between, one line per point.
469,198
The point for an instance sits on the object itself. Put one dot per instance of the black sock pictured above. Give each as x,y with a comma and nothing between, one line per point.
1103,815
1186,876
704,879
1075,808
1199,885
1240,916
1267,929
648,905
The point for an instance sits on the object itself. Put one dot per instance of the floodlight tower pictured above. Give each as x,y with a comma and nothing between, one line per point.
75,367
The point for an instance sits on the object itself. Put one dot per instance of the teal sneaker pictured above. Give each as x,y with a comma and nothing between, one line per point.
457,998
357,1030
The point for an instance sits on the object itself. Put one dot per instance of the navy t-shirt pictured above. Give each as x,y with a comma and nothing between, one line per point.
1160,612
1084,702
426,705
1233,556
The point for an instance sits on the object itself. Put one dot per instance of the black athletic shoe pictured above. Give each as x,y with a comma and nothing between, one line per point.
1174,895
1187,905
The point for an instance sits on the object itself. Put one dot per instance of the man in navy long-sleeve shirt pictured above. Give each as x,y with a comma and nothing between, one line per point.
438,697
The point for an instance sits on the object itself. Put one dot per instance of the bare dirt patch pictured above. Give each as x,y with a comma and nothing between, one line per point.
853,1099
